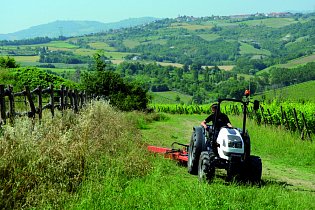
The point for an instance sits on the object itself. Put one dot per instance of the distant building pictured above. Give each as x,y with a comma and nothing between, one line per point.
279,14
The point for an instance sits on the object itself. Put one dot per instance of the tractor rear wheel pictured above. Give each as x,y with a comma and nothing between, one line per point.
196,146
206,166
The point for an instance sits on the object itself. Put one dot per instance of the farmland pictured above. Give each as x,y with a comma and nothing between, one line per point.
122,174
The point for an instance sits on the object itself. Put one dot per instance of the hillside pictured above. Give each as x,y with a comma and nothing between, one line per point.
296,93
187,54
73,28
207,41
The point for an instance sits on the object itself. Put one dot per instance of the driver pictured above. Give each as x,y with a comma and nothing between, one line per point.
222,119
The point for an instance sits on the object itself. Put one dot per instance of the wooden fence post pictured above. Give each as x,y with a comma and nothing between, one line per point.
2,106
11,104
66,98
52,100
81,100
40,103
71,99
31,103
75,101
62,98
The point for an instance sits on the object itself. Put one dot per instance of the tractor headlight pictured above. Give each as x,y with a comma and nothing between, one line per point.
234,141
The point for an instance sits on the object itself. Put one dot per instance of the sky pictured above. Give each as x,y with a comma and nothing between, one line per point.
17,15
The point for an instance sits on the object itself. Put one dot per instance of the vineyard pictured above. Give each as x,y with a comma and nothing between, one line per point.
295,117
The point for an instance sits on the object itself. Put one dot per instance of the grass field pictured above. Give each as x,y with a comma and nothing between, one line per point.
271,22
130,43
249,49
209,37
101,46
169,97
61,45
192,27
225,68
299,61
26,59
288,183
299,92
293,63
84,52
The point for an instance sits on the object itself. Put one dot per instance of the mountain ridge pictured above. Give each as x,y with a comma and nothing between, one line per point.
73,28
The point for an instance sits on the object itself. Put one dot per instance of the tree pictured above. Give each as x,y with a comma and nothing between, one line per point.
124,95
8,62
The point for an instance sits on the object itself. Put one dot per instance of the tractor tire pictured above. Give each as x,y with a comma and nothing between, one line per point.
253,170
206,166
196,146
233,170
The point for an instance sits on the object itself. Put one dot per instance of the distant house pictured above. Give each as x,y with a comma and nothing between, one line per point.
279,14
240,16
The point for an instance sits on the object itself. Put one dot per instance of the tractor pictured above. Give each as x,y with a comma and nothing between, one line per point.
224,148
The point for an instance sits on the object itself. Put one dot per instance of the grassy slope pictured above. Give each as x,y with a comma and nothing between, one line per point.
169,97
249,49
300,92
292,63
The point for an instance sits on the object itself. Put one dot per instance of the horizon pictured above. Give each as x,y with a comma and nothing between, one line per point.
32,13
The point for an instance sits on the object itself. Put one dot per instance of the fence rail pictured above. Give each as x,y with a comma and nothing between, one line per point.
60,99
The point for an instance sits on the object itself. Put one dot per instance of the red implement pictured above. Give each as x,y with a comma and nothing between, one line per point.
180,155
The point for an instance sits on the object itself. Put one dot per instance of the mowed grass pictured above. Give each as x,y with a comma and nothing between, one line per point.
300,92
249,49
169,97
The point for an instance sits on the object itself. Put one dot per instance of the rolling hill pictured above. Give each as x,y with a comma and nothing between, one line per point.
73,28
295,93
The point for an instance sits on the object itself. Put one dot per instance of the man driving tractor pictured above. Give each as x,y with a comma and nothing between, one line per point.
222,119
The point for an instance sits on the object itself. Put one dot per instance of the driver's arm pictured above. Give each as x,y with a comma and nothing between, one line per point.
204,124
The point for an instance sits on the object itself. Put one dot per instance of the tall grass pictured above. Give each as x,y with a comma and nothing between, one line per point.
43,165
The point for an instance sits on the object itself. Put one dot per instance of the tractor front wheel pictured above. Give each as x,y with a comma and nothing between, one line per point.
196,146
206,166
253,170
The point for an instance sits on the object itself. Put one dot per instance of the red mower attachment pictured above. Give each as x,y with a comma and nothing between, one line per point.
180,155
